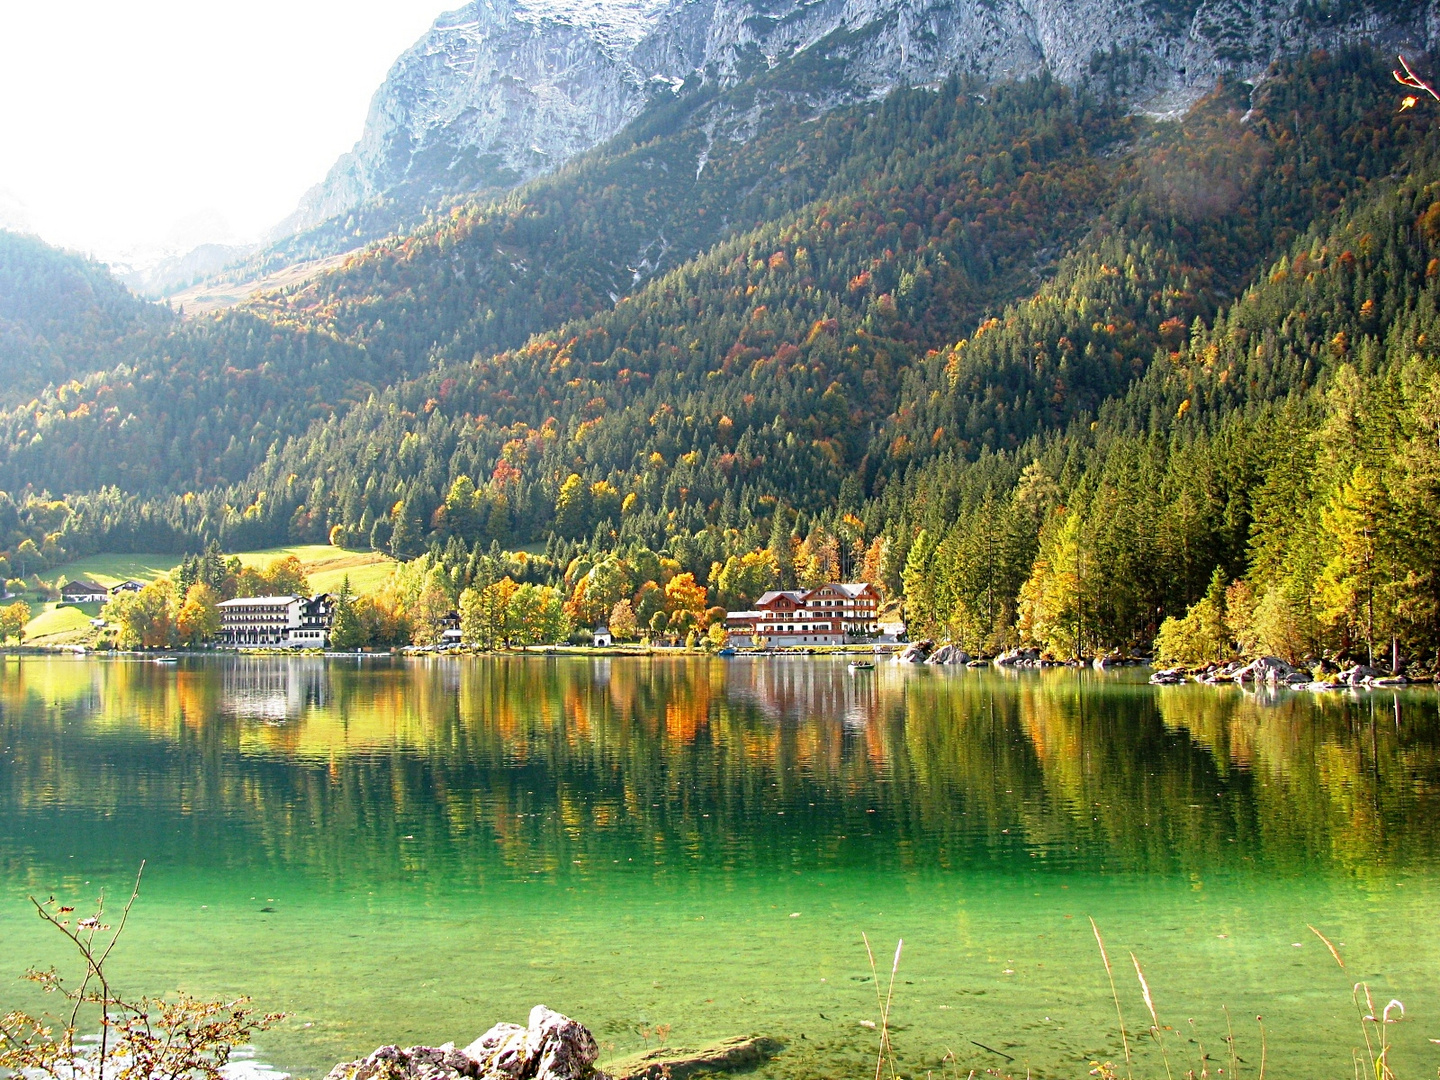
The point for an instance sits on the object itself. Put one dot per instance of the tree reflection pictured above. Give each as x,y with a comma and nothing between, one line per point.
450,772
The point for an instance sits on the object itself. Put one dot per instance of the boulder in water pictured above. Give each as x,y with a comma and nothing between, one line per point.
412,1063
1359,674
914,654
1267,669
550,1047
949,654
1018,658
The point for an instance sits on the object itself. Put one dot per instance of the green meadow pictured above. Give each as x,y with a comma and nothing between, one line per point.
62,624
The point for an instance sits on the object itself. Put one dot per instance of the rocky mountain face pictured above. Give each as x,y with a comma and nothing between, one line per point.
500,91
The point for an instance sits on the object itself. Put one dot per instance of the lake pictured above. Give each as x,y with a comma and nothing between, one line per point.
410,850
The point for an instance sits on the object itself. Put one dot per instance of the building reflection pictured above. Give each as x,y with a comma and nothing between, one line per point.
274,689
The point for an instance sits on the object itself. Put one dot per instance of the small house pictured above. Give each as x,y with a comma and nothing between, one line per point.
603,638
83,592
126,586
451,635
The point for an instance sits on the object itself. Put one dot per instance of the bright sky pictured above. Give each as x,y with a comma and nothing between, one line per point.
132,125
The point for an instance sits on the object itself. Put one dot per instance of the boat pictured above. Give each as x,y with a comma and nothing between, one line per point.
862,665
727,651
166,660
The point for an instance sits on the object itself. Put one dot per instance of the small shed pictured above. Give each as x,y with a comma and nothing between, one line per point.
603,638
127,586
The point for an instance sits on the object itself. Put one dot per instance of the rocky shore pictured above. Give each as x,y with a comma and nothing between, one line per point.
550,1046
1272,671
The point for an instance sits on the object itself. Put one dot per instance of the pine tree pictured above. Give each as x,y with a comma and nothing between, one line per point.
345,630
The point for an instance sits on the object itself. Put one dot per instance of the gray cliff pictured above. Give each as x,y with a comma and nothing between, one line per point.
501,91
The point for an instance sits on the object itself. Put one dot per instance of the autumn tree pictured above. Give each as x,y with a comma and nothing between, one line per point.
13,620
198,619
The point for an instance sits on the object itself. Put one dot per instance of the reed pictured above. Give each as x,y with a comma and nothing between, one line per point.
1155,1028
1114,994
1374,1024
886,1053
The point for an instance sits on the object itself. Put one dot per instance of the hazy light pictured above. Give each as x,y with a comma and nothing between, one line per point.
131,127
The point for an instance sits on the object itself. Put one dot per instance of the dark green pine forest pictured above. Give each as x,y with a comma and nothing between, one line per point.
1049,372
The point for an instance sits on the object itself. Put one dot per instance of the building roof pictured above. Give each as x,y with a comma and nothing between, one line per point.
259,601
775,594
744,614
83,587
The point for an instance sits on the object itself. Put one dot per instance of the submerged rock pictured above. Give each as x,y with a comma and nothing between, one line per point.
677,1063
551,1047
1168,677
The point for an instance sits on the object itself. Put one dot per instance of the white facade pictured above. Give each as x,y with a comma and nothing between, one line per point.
83,592
276,622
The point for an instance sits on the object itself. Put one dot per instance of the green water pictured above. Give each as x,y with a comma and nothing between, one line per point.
700,844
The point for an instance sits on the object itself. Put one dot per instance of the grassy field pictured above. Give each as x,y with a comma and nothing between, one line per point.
60,624
110,570
325,566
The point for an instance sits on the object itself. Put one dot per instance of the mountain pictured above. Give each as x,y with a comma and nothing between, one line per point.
61,316
802,291
501,91
1042,363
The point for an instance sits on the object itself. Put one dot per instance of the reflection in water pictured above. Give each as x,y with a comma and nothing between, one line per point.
513,764
254,688
630,838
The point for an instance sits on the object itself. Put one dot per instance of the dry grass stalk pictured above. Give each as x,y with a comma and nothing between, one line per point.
1230,1043
1154,1018
1110,973
1326,940
886,1051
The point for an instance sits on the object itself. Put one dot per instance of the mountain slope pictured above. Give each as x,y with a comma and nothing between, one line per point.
62,315
813,359
485,279
501,91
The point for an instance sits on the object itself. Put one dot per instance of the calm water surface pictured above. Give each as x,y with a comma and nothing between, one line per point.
407,851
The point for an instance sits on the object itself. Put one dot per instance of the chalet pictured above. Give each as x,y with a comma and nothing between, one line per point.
127,586
83,592
450,632
831,614
277,622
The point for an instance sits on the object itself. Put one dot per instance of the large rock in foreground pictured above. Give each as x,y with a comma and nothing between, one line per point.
550,1047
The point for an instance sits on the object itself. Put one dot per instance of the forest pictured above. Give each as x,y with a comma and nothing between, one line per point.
1047,371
